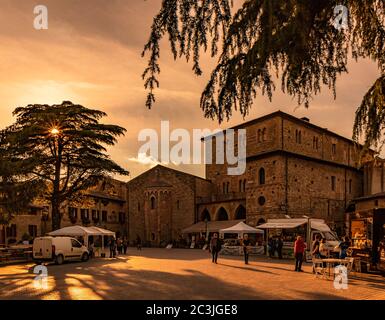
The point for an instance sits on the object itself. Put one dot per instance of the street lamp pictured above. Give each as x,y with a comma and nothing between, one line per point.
308,231
206,222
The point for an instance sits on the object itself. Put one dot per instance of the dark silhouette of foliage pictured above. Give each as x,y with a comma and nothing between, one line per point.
293,39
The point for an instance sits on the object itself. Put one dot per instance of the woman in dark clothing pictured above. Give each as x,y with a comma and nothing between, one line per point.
246,247
139,243
215,247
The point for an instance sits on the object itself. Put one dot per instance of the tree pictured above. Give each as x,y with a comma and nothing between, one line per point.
294,39
59,150
14,196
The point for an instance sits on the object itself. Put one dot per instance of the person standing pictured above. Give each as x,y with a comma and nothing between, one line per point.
270,248
138,243
246,247
279,247
315,252
215,247
112,244
125,245
299,250
344,246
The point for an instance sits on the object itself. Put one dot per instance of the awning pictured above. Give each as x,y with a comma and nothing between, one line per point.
75,231
284,224
241,227
212,226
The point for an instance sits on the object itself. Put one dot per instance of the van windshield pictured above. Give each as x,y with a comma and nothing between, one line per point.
330,236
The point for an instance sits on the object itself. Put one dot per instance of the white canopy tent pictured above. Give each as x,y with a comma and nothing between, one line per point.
241,228
85,232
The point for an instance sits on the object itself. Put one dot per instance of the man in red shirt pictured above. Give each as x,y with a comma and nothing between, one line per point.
299,250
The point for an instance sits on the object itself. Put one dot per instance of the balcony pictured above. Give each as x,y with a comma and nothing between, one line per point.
231,196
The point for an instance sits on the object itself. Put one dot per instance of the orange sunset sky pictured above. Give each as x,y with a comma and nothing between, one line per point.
91,55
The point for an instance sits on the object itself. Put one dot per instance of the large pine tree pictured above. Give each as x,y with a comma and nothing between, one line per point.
56,152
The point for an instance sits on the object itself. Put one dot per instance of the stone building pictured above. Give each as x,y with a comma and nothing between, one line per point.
104,205
162,202
294,168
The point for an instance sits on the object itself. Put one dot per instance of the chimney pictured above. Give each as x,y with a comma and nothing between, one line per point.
305,119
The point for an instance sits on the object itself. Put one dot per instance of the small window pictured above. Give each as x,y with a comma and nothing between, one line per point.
261,176
298,136
152,236
178,204
259,135
33,211
72,212
153,203
376,203
228,187
333,181
32,230
240,186
334,149
244,185
315,143
350,185
138,206
261,201
122,217
104,216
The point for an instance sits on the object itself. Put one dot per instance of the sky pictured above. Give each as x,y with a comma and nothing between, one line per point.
91,55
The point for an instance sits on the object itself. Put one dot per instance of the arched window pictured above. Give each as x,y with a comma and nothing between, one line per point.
205,215
261,176
240,213
264,134
244,185
259,135
261,221
228,187
224,187
240,186
153,203
222,215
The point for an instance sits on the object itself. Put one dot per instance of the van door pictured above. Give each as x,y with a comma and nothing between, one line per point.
76,249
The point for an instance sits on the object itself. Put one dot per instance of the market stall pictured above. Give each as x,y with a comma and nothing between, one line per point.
86,235
232,239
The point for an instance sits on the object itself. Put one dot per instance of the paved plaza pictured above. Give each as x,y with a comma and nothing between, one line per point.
181,274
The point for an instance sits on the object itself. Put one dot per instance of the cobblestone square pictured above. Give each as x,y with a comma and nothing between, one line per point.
181,274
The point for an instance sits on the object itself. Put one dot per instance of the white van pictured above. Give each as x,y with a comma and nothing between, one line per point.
58,249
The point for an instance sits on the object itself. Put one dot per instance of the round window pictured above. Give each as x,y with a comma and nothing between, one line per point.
261,201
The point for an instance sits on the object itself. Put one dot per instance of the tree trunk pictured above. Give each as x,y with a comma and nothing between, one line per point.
56,218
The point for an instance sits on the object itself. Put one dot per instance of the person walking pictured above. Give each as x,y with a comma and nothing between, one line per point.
215,247
299,250
270,248
279,247
315,252
138,243
246,243
344,246
125,245
112,244
119,245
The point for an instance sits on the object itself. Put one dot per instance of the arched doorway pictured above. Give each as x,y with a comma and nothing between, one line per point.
205,215
222,215
261,221
240,213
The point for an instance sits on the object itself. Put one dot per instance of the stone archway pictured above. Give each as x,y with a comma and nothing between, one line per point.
205,215
240,213
222,215
261,221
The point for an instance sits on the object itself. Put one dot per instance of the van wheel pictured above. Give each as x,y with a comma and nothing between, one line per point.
59,259
85,257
